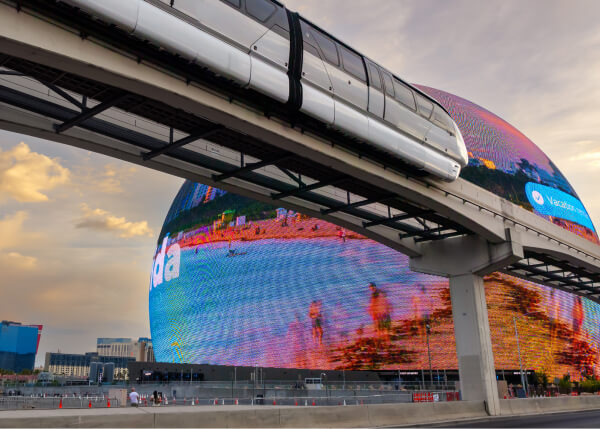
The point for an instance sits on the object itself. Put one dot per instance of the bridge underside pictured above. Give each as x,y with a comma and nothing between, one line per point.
74,101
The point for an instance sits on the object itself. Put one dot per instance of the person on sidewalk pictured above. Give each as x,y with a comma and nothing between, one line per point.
134,397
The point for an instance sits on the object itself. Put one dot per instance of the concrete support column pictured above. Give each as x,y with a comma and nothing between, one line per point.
473,343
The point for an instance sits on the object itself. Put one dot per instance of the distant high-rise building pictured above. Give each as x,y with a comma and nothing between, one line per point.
18,345
141,349
87,365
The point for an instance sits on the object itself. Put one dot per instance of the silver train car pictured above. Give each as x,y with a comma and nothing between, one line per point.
261,45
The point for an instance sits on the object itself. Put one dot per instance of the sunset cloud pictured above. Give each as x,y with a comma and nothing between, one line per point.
11,230
15,260
103,220
26,176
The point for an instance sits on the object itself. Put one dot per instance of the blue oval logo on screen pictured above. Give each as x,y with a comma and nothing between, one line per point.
552,202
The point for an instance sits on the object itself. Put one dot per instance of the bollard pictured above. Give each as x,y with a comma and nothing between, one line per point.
223,402
344,402
90,404
305,403
60,403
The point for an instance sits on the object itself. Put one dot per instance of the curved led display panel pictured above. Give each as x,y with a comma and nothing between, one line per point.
504,161
239,282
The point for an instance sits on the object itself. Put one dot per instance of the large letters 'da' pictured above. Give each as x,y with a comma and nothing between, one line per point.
168,269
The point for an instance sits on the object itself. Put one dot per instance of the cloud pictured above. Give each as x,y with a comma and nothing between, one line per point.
15,260
26,175
591,158
102,220
11,230
110,179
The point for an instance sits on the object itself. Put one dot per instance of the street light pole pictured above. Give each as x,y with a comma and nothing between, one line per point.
428,331
519,350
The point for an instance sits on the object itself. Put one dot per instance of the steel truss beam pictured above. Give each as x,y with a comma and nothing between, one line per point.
345,207
90,113
181,142
305,189
250,167
397,218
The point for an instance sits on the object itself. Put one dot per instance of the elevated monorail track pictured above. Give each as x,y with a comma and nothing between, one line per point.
87,93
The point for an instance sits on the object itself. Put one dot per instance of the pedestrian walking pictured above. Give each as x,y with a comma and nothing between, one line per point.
134,397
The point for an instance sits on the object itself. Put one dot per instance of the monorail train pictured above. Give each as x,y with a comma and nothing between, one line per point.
261,45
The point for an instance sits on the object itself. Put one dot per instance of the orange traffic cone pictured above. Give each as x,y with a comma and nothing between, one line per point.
90,404
60,403
107,402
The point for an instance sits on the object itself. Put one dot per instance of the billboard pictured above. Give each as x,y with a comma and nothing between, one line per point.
285,290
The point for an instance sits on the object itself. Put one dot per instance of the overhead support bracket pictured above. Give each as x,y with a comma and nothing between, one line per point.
303,189
434,237
181,142
356,204
90,113
297,179
249,167
397,218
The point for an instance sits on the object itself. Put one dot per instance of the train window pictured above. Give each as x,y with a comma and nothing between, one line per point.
389,86
404,94
327,47
425,106
353,64
234,3
374,78
260,9
442,119
310,48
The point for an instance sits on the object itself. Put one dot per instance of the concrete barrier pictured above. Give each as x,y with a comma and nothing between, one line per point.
247,416
547,405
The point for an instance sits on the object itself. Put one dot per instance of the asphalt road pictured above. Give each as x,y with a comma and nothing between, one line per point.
580,419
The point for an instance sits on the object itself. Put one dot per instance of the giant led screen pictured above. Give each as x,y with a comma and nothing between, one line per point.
503,160
239,282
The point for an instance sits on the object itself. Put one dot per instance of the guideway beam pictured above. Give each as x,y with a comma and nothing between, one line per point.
465,260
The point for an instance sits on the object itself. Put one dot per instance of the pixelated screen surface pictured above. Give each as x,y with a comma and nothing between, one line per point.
239,282
504,161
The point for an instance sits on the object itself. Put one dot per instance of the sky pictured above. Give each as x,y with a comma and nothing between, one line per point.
77,229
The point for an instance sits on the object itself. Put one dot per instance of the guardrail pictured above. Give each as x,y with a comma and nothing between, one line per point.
304,400
34,402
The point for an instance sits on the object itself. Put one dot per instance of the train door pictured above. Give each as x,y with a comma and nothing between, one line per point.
317,89
350,91
376,98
